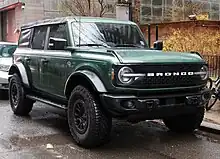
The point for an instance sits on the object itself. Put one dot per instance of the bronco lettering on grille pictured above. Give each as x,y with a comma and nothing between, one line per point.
171,74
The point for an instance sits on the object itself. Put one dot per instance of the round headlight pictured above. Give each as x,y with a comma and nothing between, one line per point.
204,72
124,79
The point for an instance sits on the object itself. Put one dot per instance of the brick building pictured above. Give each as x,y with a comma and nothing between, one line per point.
15,12
148,11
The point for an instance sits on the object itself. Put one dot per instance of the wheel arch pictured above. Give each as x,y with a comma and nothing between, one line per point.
21,71
86,78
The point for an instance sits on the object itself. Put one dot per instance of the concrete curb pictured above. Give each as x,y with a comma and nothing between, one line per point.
205,126
210,127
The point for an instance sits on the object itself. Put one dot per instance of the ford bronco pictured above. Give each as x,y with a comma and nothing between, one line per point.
97,69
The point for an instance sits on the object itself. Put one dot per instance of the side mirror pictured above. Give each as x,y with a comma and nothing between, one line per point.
57,43
158,45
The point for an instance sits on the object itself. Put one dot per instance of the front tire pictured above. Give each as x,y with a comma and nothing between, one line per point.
185,123
17,97
89,125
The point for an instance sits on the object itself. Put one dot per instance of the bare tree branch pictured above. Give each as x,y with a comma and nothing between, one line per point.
86,7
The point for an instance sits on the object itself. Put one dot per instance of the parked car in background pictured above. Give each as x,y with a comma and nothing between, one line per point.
6,51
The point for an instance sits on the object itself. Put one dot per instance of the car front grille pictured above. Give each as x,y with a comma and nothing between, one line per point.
166,81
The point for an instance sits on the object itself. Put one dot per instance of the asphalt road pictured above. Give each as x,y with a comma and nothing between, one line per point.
27,138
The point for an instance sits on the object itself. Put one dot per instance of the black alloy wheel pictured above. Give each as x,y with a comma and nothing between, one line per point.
80,116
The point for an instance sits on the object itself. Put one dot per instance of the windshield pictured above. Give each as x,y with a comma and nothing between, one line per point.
107,34
7,50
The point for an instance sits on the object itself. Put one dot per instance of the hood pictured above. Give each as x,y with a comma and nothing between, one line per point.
155,56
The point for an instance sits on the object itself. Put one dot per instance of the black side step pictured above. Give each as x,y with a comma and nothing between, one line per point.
46,102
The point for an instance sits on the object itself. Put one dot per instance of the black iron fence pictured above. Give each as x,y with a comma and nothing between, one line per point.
214,65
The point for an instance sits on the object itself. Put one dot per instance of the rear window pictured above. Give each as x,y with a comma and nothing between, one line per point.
7,50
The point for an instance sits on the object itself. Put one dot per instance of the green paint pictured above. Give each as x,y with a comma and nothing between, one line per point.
52,78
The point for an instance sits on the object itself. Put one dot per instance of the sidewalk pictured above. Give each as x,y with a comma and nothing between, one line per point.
211,121
213,115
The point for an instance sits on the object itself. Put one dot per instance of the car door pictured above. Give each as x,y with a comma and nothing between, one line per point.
25,55
33,58
54,64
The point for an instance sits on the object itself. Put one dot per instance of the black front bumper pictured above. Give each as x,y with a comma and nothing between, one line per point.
154,107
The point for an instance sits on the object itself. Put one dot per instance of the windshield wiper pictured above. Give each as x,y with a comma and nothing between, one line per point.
127,45
91,45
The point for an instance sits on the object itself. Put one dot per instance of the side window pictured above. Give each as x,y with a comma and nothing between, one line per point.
24,39
38,41
58,37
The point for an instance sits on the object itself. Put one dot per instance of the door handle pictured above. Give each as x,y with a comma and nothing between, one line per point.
44,61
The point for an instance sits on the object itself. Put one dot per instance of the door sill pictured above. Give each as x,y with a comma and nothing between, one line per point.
46,102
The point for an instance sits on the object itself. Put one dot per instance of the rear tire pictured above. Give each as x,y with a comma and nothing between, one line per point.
17,97
89,125
185,123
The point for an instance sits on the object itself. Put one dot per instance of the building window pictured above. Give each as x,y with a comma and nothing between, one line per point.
146,11
205,6
152,10
168,2
215,7
157,2
214,16
157,10
214,13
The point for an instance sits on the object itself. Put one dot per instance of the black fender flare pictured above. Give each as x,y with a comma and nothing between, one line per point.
19,67
92,77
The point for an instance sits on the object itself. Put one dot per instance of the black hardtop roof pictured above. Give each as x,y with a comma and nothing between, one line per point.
45,22
71,19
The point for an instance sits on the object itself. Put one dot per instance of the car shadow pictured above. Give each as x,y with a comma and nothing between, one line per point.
124,135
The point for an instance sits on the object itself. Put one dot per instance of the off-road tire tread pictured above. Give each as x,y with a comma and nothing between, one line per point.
185,123
100,124
25,105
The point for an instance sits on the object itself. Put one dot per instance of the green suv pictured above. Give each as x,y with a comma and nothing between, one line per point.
98,69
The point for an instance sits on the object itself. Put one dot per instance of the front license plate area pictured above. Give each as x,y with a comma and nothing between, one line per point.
154,103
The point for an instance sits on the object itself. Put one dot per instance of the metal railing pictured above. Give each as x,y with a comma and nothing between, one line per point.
214,65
